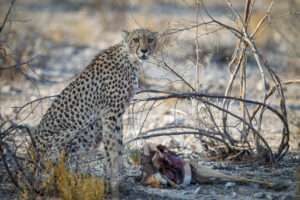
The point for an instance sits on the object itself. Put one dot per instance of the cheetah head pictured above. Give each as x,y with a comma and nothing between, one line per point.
141,43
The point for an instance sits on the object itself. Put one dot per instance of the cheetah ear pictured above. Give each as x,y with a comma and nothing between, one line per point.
125,34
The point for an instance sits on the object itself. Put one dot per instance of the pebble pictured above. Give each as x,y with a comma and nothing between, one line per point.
5,89
229,185
270,197
259,195
234,194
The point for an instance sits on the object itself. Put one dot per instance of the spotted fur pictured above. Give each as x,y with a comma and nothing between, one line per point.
89,110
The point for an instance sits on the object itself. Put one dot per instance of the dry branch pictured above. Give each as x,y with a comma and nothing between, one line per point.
7,15
248,117
219,134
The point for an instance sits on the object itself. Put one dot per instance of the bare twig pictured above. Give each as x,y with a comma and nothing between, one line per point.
172,31
7,15
30,103
18,64
262,20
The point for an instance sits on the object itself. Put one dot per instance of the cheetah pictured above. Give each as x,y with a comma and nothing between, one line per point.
89,110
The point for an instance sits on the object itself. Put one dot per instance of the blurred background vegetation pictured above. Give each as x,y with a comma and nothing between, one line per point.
48,42
36,26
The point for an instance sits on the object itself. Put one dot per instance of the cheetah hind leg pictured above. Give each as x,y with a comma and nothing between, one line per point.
113,165
112,139
76,148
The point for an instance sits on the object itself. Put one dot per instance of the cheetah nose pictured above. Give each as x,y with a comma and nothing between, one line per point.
144,50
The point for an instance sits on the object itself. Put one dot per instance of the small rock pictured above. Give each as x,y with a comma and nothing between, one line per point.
229,185
259,195
270,197
6,89
32,98
234,194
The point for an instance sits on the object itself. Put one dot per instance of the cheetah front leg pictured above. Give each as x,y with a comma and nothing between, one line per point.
112,139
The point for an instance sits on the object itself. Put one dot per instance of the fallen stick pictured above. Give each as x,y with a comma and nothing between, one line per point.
203,174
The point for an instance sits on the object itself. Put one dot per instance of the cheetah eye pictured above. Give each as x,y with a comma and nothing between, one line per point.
136,40
150,40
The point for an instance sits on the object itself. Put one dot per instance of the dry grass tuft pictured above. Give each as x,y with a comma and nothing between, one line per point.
67,185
